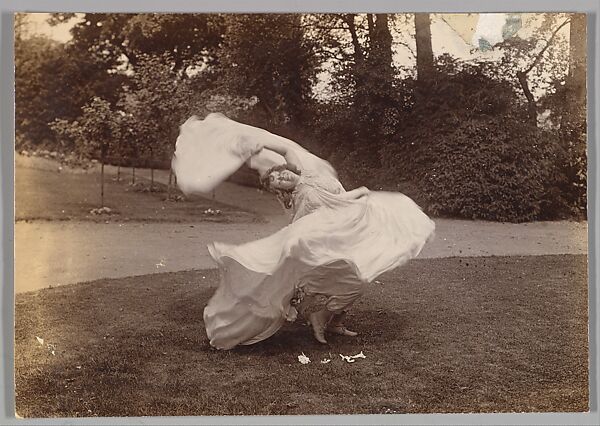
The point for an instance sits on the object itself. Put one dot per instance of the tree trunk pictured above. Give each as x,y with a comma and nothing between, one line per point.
169,185
576,80
119,173
133,175
425,68
531,103
522,75
371,24
102,182
380,57
152,176
358,51
573,126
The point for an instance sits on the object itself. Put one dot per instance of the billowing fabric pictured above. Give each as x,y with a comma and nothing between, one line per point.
208,151
333,247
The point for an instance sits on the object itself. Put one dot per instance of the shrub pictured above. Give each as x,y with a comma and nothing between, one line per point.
490,169
471,151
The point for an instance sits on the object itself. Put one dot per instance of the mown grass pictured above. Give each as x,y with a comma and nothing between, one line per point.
501,334
47,194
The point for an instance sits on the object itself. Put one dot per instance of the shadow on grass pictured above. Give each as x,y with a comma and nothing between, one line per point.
444,335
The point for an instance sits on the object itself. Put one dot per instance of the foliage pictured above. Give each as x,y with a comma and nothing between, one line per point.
97,127
93,134
474,153
32,97
52,81
369,97
191,39
268,58
158,101
568,119
463,143
151,104
532,64
69,133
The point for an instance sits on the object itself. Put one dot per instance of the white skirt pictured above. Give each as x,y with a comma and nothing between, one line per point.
344,245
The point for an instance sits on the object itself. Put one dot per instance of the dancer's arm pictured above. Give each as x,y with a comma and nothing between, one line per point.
290,156
355,194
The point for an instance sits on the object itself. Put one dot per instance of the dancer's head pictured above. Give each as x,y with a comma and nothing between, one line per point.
281,180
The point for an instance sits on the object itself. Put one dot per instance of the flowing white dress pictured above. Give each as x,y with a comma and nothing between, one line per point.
332,248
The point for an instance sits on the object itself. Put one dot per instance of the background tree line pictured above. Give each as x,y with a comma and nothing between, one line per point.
501,139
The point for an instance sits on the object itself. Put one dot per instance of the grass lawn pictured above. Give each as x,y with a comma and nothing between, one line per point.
499,334
51,195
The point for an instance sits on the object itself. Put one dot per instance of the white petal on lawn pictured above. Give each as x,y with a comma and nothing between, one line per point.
303,359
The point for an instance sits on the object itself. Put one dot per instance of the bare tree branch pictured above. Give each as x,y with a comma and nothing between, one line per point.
408,47
331,55
522,75
538,57
371,26
531,104
358,51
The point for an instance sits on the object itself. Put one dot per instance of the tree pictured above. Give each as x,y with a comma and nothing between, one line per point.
98,129
573,118
34,107
368,104
565,100
147,103
576,79
55,80
267,56
363,56
425,68
190,39
153,107
93,134
535,62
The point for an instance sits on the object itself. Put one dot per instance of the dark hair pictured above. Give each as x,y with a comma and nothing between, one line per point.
284,196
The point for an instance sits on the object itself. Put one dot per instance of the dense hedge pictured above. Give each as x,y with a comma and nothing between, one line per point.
467,149
489,168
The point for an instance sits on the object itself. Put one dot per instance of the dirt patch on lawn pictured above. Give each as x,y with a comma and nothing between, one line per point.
497,334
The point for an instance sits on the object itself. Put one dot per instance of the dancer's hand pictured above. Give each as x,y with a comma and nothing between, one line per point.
364,191
256,149
357,193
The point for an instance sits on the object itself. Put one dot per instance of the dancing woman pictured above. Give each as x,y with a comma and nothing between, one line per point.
319,265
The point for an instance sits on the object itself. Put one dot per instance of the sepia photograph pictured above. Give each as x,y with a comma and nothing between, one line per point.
242,214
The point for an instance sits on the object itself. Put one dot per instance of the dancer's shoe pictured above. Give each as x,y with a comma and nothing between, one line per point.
341,330
318,321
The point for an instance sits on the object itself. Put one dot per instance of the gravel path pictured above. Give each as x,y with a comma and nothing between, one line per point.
56,253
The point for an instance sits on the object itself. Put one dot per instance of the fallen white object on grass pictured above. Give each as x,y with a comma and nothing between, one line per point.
347,358
352,358
40,340
303,359
326,361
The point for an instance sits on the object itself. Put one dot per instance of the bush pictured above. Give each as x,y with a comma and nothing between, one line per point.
471,152
490,169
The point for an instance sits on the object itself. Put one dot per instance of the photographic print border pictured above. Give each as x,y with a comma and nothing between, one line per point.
8,7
